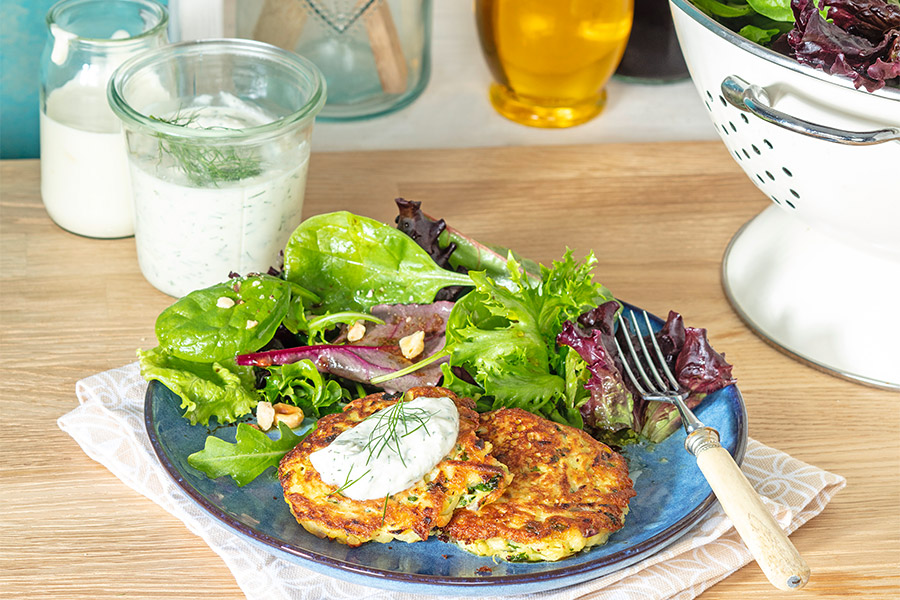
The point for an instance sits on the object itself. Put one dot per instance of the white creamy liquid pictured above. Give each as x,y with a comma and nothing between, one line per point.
377,457
84,168
191,237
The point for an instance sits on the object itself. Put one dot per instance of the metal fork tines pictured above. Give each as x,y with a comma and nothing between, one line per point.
656,389
774,552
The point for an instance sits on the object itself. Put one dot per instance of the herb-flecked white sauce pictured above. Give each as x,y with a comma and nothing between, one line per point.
390,450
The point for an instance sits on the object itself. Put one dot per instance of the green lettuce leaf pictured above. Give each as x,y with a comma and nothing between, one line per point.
222,389
504,335
301,384
252,453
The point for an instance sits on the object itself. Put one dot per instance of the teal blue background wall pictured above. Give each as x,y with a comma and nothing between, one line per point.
22,34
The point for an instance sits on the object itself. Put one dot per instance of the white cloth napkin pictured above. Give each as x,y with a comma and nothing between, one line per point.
109,426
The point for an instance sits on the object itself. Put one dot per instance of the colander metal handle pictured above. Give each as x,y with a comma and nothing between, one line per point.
754,99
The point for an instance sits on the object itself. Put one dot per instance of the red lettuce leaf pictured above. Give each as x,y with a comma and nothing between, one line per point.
401,320
698,367
377,352
610,406
614,402
355,363
859,40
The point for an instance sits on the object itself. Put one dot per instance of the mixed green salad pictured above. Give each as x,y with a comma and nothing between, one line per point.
362,306
857,39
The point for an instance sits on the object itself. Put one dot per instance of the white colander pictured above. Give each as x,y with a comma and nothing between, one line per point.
818,272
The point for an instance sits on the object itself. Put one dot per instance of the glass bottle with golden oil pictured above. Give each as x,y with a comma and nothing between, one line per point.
551,59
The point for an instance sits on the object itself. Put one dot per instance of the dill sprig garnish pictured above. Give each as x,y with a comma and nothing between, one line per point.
387,431
392,425
347,483
204,164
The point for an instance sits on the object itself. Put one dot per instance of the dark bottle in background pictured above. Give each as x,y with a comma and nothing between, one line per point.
653,54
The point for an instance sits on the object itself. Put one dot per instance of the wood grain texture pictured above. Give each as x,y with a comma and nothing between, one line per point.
658,216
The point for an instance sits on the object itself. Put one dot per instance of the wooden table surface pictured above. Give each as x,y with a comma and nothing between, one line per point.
658,216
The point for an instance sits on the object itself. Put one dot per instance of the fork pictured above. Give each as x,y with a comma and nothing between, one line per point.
773,551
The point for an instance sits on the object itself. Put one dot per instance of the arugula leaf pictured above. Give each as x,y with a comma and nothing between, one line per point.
354,263
252,453
222,389
301,384
218,322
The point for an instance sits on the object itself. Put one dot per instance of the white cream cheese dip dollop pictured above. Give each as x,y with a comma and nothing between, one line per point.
389,450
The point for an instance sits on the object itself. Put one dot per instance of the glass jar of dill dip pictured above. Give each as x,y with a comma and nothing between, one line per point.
218,135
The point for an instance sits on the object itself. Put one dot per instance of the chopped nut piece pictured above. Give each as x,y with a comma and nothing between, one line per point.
224,302
290,415
251,324
356,332
413,345
265,415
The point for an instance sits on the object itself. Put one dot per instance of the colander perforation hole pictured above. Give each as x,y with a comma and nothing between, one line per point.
794,193
725,129
722,99
738,155
745,119
769,144
770,176
744,150
787,172
789,203
733,128
755,149
775,200
708,107
761,180
708,95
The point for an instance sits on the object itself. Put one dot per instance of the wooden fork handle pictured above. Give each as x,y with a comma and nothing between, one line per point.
774,552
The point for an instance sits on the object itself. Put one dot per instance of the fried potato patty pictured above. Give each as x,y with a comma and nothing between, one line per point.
468,476
569,492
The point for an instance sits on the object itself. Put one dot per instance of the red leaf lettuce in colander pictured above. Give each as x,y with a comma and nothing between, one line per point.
859,39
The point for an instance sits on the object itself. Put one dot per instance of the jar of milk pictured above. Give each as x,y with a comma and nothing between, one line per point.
84,171
218,135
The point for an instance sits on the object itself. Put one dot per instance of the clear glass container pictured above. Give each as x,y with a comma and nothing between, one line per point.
84,172
218,136
375,54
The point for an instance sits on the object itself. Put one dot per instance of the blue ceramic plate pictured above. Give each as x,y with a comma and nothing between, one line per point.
671,497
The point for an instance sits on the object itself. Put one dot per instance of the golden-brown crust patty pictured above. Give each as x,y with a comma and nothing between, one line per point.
569,491
467,476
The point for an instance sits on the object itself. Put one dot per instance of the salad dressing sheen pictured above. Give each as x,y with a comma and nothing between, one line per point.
390,450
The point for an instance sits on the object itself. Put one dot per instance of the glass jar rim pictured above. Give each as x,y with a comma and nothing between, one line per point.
157,10
135,119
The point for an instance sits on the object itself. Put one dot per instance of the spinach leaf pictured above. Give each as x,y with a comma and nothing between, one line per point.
723,9
222,389
252,453
354,263
777,10
302,385
218,322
